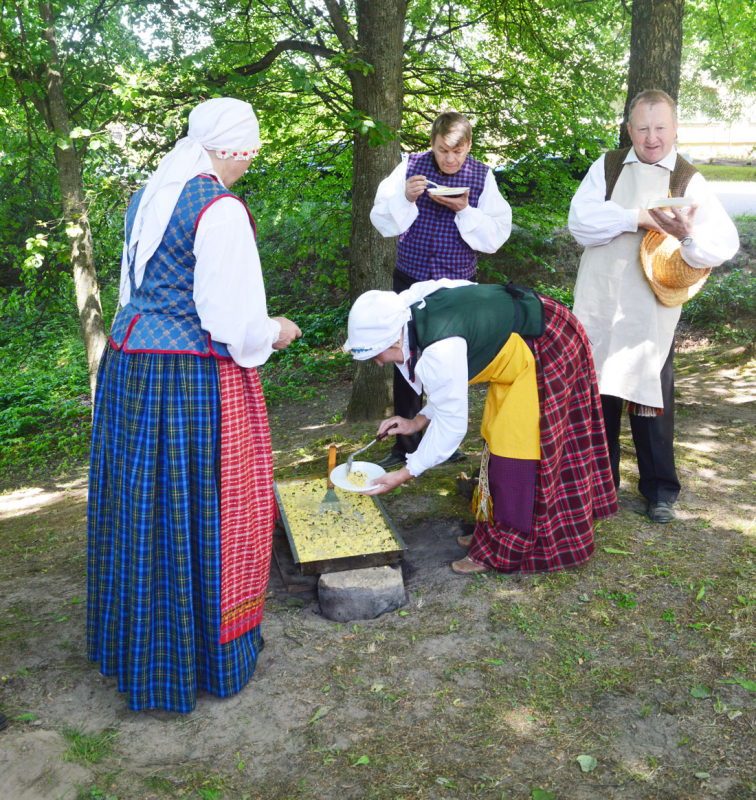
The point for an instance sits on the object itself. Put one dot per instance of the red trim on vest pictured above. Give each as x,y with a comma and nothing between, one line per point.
133,322
214,352
215,200
124,347
169,352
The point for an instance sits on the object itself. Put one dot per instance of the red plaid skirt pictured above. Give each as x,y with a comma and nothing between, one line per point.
247,500
574,483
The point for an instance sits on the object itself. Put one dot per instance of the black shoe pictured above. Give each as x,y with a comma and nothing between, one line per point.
456,456
661,512
392,460
3,721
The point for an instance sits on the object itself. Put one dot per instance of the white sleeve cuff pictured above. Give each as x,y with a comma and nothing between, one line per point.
402,211
630,219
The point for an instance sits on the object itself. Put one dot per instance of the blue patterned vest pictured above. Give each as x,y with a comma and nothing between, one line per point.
432,247
161,316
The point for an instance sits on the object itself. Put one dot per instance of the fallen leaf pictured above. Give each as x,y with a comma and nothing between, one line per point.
587,763
361,760
701,692
541,794
617,552
749,685
702,775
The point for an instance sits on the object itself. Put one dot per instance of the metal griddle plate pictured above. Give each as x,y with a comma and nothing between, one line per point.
346,562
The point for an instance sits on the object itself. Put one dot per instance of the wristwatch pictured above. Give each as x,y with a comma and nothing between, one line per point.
686,240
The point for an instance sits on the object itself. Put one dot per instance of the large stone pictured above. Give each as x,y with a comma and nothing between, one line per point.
361,593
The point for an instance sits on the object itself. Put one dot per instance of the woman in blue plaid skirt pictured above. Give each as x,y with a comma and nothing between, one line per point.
180,513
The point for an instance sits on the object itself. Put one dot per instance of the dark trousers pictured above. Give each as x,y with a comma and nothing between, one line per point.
407,402
653,438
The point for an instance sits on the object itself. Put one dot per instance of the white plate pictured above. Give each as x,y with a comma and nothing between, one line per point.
339,477
670,202
448,191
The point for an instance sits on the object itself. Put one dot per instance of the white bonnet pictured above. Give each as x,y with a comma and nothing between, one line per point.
375,323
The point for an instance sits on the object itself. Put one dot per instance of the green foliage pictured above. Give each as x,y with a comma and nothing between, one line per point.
564,294
298,372
95,794
620,599
301,203
723,298
718,52
44,399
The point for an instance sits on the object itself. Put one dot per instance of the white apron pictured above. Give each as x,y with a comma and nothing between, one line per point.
630,331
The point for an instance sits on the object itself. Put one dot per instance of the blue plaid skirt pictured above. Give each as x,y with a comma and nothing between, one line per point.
154,533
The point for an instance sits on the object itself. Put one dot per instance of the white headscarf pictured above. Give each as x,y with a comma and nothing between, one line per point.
375,323
222,124
377,318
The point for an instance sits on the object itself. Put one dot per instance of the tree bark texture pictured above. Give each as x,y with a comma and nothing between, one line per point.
655,51
380,95
74,207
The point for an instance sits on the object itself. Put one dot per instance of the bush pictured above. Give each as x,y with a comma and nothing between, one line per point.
298,372
44,394
723,299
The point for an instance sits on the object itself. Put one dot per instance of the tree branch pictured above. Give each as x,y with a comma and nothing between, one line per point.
340,26
426,40
290,45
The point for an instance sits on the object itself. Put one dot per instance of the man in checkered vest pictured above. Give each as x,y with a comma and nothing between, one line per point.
445,207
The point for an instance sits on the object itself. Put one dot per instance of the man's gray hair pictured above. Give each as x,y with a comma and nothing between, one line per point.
651,97
452,126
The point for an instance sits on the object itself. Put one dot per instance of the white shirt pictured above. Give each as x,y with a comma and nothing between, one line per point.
441,371
228,284
595,221
484,228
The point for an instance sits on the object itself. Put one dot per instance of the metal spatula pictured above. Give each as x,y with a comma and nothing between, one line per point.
331,501
357,452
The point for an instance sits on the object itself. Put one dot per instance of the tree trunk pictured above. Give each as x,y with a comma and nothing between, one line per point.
379,94
655,51
74,208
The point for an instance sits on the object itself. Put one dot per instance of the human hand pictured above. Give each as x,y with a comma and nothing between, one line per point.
396,425
414,187
289,332
645,220
454,203
388,481
678,224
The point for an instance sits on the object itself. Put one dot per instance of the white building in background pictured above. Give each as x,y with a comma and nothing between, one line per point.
703,139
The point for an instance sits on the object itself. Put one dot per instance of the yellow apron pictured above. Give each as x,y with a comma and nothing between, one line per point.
511,415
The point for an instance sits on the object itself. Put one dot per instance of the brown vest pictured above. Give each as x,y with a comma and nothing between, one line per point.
678,180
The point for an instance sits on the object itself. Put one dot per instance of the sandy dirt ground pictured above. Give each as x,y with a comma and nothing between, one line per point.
631,677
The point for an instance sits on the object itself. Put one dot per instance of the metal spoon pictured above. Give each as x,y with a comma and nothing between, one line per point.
377,439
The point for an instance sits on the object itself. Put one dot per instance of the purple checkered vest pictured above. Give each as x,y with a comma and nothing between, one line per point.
161,316
432,247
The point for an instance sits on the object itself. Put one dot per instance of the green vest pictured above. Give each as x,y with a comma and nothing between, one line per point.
485,316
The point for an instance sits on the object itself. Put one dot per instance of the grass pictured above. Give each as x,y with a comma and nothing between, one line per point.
89,748
727,172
